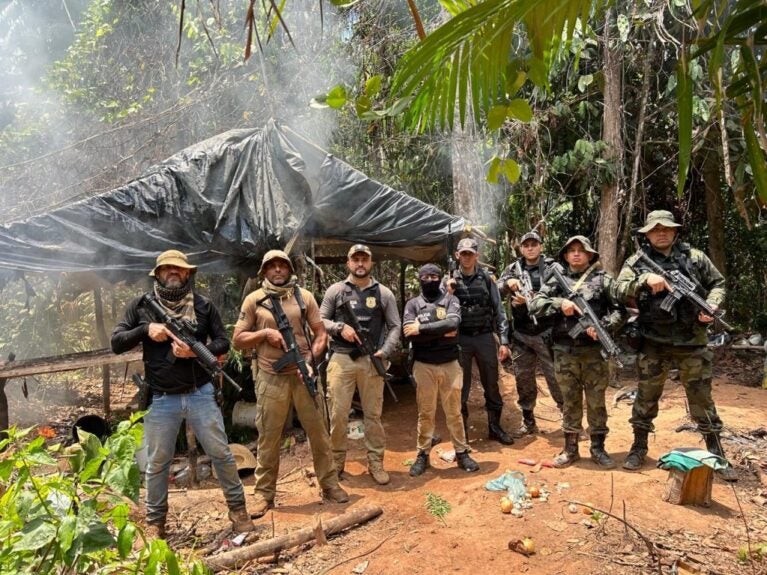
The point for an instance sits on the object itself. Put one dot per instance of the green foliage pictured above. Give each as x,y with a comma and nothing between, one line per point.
437,506
76,520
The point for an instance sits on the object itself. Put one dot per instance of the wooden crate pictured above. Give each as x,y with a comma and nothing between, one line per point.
689,488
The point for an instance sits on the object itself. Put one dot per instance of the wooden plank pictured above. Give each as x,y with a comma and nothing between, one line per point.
67,362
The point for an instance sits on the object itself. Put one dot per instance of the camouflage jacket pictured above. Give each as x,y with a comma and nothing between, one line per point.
598,288
681,327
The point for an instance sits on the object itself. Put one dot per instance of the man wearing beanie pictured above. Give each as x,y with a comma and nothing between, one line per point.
181,388
277,391
430,323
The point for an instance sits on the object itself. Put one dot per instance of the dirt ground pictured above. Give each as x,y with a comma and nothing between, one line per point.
474,535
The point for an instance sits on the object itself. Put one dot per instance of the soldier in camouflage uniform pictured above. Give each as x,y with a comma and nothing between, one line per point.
675,339
578,363
529,338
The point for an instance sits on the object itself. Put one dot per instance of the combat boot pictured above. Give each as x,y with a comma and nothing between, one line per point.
420,464
529,426
340,463
495,431
335,494
378,473
598,453
465,462
714,445
638,451
570,455
241,521
260,506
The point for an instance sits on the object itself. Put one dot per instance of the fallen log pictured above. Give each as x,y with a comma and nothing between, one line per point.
68,362
231,559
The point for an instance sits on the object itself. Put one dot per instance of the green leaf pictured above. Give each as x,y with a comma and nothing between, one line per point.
520,109
510,170
172,563
494,170
36,534
585,81
96,537
496,116
362,105
373,86
125,539
623,27
337,97
684,108
538,73
66,532
516,81
755,157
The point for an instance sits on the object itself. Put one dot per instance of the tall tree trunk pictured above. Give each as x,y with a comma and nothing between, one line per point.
613,136
712,183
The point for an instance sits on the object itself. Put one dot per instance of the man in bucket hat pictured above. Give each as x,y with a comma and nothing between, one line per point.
277,391
579,366
180,388
672,339
529,336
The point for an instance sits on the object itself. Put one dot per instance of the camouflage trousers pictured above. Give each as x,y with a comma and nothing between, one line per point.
582,371
528,351
694,365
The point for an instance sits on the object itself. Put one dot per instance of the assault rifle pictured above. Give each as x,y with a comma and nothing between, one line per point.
293,355
366,347
526,289
183,331
682,287
588,318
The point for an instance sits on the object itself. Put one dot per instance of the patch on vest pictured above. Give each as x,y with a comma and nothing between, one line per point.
441,313
370,302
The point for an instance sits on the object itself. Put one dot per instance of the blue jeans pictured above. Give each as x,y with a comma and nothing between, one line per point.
161,426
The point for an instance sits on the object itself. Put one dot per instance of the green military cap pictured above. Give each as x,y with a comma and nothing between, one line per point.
659,218
584,241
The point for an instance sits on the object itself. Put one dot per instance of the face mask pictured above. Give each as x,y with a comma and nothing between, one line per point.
430,288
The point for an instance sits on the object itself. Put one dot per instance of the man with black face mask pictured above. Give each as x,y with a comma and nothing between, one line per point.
181,389
430,323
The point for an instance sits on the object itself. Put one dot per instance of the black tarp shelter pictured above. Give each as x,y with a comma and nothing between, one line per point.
225,201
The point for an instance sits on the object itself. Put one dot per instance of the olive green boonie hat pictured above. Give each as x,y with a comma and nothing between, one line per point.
584,241
172,258
275,255
659,218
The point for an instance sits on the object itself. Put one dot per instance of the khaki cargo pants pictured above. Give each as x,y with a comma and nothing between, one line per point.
344,376
275,394
444,380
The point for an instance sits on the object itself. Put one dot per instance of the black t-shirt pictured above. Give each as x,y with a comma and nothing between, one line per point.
164,371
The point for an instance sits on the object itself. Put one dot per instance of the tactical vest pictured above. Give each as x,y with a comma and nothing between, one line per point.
429,349
592,289
369,312
520,316
683,312
476,303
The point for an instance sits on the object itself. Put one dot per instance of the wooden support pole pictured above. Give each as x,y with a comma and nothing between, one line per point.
67,362
239,557
101,331
4,415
